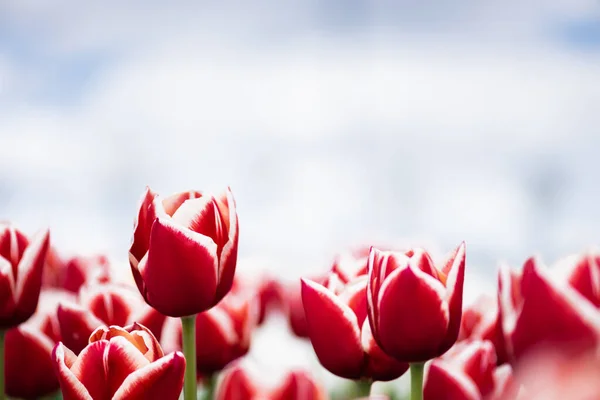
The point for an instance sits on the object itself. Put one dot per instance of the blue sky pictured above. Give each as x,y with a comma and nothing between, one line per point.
334,124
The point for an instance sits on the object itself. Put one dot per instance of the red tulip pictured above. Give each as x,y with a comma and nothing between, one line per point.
270,296
184,251
341,335
119,363
104,304
539,313
237,384
415,308
481,321
223,333
29,372
21,268
72,274
468,372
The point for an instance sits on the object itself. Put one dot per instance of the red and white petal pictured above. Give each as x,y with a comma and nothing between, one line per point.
585,278
444,382
333,330
413,315
121,359
29,280
455,277
216,341
174,201
90,370
552,315
71,387
149,209
228,256
236,385
298,385
160,380
380,366
7,294
111,303
179,271
76,324
354,295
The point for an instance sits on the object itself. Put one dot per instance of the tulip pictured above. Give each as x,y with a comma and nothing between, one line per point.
481,321
29,369
469,372
103,304
415,308
119,363
223,333
293,307
540,312
77,271
270,297
337,323
237,384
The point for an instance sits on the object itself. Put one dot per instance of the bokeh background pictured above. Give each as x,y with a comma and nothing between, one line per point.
335,123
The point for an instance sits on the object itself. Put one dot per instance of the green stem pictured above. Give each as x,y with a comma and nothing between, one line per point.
210,383
416,381
2,336
362,388
188,333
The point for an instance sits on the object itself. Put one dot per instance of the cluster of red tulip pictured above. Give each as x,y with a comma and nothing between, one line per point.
74,327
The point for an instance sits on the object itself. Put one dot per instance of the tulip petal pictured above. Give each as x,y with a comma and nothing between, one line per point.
333,330
413,316
216,339
28,364
91,371
7,294
455,272
149,209
121,359
444,382
236,385
298,385
12,245
160,380
76,325
552,314
380,366
29,281
71,387
179,271
585,278
172,203
228,256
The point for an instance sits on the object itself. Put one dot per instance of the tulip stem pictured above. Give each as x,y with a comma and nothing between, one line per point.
188,332
2,336
209,387
416,380
362,388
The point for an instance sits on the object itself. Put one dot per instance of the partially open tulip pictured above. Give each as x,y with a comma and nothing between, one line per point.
29,371
21,268
340,334
119,363
481,321
223,333
469,372
539,312
184,250
237,384
414,307
104,304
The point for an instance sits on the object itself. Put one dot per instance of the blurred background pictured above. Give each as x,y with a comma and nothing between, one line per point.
335,123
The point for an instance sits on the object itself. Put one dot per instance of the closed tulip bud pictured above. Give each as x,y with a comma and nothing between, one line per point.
119,363
21,268
237,384
414,307
541,312
184,251
469,372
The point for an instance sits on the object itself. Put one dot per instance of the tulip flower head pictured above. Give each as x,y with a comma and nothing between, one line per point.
184,250
119,363
21,268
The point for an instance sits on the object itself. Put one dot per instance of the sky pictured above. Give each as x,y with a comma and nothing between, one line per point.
334,123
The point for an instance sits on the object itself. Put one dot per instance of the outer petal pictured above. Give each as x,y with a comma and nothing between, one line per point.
380,366
76,325
444,382
228,257
298,385
162,379
333,330
90,370
150,208
29,280
71,387
29,369
455,272
413,316
585,278
217,341
552,315
236,385
180,271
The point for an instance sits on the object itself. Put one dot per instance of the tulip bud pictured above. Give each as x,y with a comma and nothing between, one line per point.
415,308
184,251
